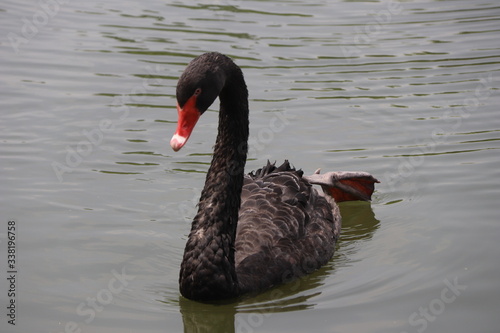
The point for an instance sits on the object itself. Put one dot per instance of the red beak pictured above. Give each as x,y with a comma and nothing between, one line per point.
188,116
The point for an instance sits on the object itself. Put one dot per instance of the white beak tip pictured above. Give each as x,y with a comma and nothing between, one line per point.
177,142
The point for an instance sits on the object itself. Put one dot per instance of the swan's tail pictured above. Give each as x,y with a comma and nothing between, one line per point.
271,167
345,185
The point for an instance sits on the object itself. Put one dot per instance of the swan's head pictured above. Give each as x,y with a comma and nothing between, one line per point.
197,89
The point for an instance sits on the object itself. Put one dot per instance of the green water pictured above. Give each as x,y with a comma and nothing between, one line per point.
408,91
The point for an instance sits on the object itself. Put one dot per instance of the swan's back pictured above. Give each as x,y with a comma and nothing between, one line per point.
286,229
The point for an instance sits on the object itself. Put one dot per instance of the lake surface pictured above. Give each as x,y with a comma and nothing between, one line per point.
408,91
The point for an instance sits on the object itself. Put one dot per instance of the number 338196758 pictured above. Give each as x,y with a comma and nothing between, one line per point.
11,245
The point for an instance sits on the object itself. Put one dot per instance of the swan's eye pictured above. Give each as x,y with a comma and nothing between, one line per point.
197,92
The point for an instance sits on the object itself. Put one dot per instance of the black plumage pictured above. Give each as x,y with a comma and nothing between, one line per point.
285,228
253,231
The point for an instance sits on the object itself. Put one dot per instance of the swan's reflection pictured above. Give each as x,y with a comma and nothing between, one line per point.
247,313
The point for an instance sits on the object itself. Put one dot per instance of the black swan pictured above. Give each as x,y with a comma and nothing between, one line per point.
252,231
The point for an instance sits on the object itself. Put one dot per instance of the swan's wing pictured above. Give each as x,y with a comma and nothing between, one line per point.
285,228
345,185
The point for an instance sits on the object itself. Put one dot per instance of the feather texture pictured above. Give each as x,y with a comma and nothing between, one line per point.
253,231
285,228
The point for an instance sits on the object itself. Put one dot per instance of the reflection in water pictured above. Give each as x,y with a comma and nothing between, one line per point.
358,221
250,311
201,317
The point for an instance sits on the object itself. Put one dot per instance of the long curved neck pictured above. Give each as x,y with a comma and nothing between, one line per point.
208,270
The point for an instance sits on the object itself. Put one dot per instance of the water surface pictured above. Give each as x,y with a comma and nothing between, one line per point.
408,91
